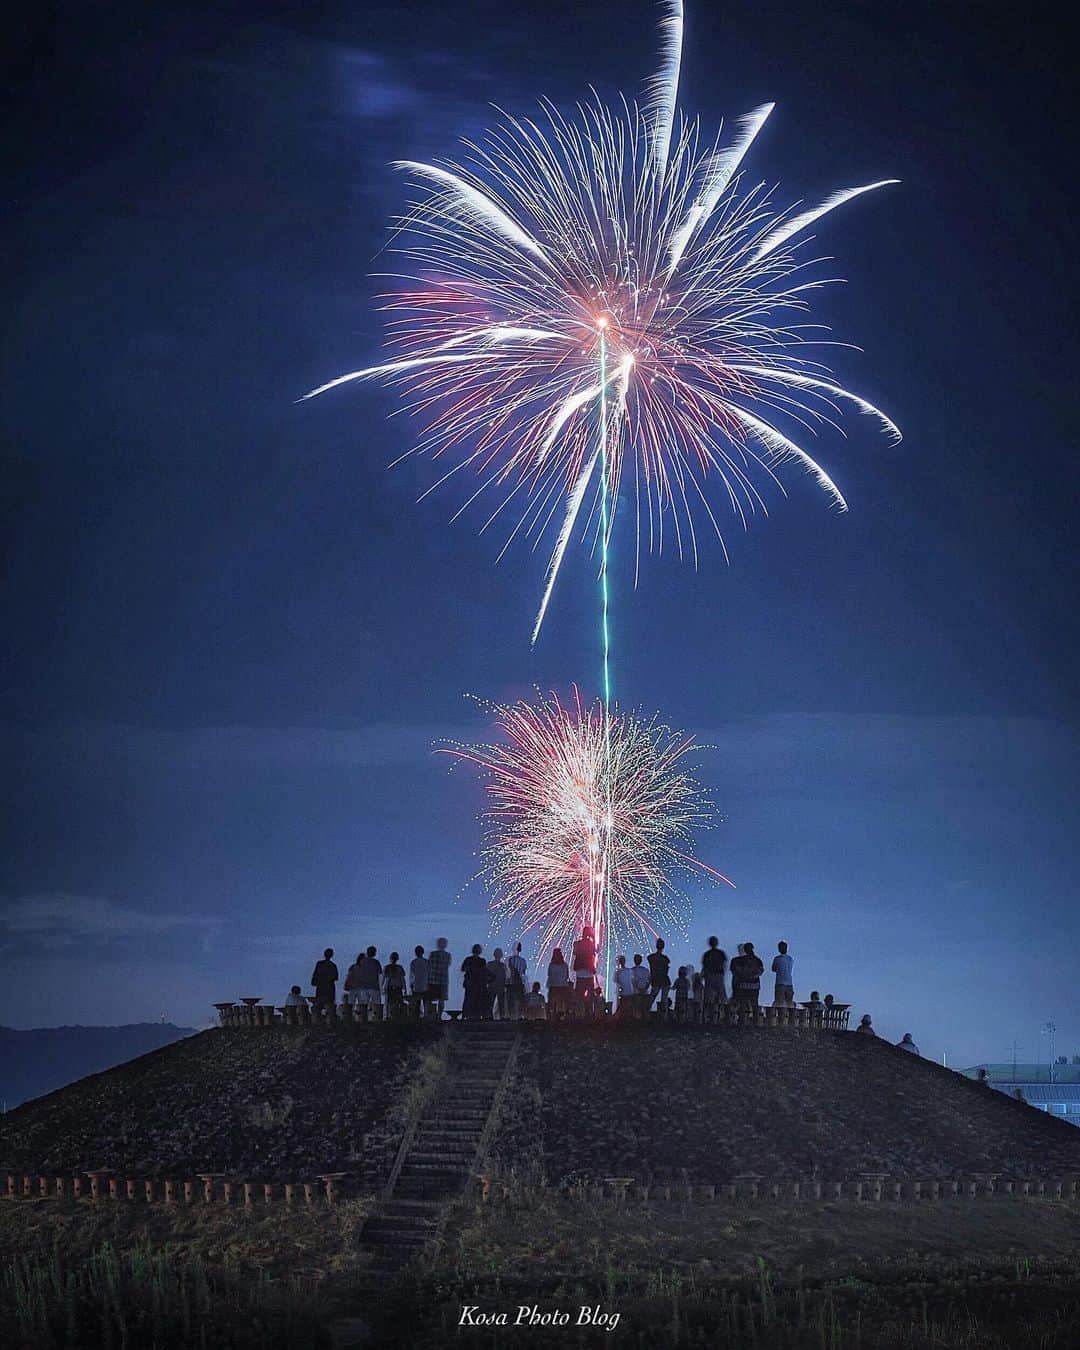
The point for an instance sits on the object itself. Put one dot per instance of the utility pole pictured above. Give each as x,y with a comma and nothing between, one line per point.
1050,1029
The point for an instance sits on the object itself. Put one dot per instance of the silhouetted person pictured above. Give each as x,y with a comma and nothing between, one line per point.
746,972
535,1007
906,1043
713,968
585,964
783,965
369,976
352,981
476,1006
864,1028
558,982
639,973
324,980
294,998
515,993
497,978
624,988
682,994
418,982
659,978
394,985
439,976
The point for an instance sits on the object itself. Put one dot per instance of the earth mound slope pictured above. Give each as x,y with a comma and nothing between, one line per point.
249,1102
710,1104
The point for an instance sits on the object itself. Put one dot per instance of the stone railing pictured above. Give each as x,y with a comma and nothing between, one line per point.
105,1185
868,1187
205,1188
252,1012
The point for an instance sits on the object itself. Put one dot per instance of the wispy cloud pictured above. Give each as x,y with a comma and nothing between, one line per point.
56,921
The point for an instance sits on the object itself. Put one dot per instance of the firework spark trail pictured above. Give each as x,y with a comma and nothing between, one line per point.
587,806
623,226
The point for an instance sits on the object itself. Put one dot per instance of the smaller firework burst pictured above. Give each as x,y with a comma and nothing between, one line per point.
591,820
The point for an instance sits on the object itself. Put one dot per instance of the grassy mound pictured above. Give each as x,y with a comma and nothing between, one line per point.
252,1102
710,1104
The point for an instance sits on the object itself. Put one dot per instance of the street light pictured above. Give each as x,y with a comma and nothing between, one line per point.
1050,1029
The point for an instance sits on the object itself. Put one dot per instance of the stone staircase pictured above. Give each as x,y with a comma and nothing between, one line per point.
447,1144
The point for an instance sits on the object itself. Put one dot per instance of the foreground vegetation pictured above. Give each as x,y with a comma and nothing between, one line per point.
952,1276
836,1277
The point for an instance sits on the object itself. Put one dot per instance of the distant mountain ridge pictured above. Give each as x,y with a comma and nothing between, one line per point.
43,1059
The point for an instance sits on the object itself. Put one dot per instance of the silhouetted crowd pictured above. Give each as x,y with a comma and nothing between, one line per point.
498,988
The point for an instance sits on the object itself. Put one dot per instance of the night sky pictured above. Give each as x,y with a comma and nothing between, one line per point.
232,634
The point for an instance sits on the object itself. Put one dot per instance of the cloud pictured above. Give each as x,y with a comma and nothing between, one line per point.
56,921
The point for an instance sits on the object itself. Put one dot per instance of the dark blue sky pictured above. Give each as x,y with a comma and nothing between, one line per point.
232,634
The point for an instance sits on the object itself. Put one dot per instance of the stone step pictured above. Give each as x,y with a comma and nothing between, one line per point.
403,1223
449,1138
384,1235
442,1157
442,1187
435,1167
420,1209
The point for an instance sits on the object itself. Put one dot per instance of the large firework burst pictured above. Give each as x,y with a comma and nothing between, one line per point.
606,289
590,819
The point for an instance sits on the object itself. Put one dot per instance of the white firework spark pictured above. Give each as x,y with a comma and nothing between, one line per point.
614,261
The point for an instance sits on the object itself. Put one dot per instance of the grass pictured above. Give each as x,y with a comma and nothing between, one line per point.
955,1275
112,1300
844,1277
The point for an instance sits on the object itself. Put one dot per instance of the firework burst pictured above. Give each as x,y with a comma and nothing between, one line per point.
602,300
590,819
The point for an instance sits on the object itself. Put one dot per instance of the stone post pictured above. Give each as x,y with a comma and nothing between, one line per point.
707,1192
874,1188
148,1191
27,1185
917,1190
1057,1189
309,1193
77,1187
189,1192
12,1186
619,1187
61,1188
747,1183
330,1185
95,1181
290,1193
43,1187
114,1188
898,1190
249,1194
170,1191
131,1187
208,1179
836,1190
250,1003
224,1011
268,1192
816,1189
